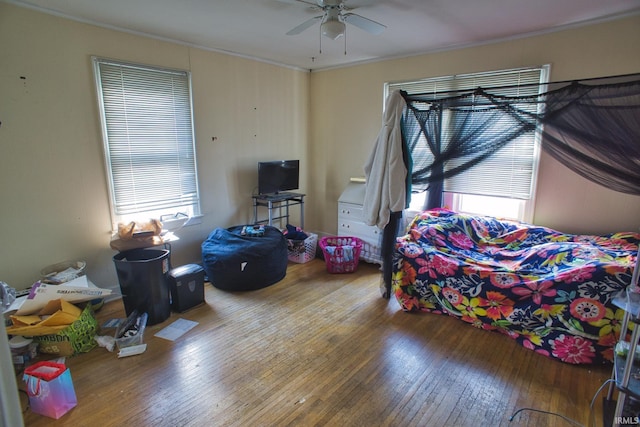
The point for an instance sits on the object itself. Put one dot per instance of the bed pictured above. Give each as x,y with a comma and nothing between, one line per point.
550,291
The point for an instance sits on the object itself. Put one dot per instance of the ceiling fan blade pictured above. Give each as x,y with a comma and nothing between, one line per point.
363,23
310,3
306,24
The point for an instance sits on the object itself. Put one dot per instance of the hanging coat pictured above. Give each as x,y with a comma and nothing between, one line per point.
385,170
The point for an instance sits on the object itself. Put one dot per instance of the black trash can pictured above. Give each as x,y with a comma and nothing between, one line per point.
144,281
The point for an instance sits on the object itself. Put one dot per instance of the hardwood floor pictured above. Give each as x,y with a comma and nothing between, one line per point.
323,350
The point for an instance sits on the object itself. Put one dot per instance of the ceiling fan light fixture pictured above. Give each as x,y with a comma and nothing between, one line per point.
332,29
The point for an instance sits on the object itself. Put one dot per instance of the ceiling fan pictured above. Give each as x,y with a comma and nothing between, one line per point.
332,21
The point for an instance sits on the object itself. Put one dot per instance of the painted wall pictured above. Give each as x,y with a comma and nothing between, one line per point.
52,174
347,113
53,183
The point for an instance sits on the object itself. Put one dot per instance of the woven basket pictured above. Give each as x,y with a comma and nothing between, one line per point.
341,253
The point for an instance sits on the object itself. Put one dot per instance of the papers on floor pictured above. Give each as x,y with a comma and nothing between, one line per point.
176,329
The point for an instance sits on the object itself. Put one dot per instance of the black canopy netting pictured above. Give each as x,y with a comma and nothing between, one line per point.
591,126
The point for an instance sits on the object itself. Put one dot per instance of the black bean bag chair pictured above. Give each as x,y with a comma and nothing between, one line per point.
237,262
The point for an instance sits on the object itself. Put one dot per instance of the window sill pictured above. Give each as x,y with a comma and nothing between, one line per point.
176,224
194,220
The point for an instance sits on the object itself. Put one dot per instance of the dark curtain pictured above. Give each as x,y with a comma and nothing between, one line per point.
591,126
470,134
595,131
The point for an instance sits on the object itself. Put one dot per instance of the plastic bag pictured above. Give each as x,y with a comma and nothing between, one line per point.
7,295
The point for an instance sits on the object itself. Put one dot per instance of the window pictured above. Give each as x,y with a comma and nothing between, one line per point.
148,139
504,184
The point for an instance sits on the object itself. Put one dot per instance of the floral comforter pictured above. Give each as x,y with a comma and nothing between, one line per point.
551,292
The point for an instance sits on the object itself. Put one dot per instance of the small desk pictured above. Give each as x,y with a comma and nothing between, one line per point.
277,201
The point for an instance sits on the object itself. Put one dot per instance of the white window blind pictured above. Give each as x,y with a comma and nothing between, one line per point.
149,144
510,172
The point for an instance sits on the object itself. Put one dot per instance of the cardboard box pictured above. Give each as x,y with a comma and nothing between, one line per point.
49,315
76,291
140,323
54,317
59,328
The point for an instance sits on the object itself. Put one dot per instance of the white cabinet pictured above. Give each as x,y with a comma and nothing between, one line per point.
350,223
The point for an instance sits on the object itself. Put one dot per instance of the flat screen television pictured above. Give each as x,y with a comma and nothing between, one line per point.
277,176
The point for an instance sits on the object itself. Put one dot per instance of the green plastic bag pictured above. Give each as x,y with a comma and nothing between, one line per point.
79,337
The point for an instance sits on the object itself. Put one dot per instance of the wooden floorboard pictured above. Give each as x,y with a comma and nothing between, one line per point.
318,349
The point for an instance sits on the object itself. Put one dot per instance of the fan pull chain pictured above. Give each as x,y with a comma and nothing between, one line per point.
345,41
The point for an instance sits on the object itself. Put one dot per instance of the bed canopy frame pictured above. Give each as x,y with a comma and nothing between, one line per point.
592,126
